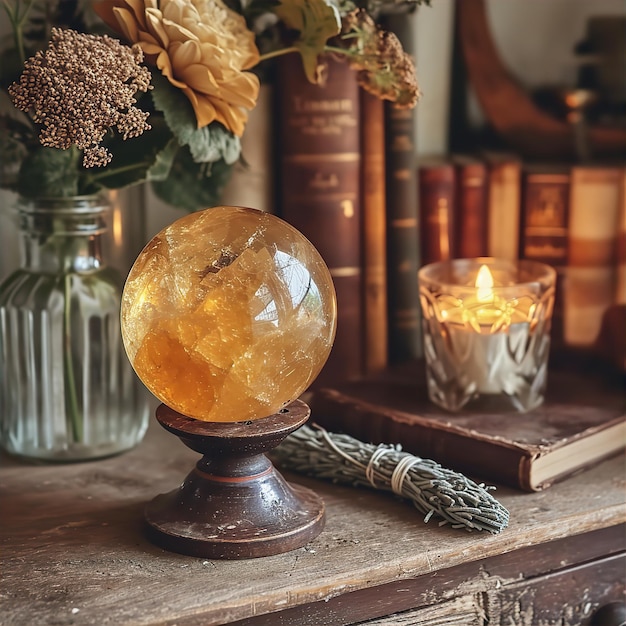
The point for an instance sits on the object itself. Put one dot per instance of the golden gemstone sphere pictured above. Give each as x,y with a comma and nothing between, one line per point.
228,314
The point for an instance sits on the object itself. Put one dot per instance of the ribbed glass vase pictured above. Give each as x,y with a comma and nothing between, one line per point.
67,390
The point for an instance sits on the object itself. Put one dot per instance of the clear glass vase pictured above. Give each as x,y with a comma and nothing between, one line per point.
67,389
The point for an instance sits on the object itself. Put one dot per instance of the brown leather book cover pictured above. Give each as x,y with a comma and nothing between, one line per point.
403,255
544,226
319,183
472,195
544,213
504,172
591,272
374,233
437,200
582,421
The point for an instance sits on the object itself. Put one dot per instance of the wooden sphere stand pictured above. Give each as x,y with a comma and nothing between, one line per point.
234,504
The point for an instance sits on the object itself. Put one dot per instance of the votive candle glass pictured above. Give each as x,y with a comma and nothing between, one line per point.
486,327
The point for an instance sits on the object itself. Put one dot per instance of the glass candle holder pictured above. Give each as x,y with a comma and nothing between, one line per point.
486,326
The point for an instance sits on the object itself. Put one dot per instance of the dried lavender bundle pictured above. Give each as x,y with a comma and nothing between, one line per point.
432,489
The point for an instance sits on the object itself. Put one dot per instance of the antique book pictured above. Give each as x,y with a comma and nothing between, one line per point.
376,344
582,421
472,195
503,214
436,185
611,342
544,213
620,288
544,225
403,255
319,161
589,284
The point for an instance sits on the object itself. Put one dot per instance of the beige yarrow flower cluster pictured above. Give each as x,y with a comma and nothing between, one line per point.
383,67
81,87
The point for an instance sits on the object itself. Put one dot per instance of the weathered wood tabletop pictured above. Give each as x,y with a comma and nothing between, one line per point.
73,552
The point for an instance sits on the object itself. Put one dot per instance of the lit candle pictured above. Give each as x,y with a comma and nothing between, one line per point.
486,331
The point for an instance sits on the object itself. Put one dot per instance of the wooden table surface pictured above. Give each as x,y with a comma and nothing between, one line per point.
72,549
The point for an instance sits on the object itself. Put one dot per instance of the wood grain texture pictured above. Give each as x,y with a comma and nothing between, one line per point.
73,551
506,104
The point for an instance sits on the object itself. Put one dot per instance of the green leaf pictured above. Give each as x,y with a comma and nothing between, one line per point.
317,21
193,186
49,172
216,142
161,167
132,159
207,144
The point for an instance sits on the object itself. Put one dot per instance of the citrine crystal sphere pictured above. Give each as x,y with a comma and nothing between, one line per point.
228,314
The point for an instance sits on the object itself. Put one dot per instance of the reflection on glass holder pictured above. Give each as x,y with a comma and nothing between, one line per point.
486,326
67,391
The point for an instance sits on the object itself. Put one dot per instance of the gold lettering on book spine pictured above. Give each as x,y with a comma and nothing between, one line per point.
322,118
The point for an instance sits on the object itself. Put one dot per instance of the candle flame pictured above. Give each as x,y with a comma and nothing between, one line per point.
484,284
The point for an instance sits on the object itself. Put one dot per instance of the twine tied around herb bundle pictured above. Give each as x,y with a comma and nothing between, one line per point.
433,489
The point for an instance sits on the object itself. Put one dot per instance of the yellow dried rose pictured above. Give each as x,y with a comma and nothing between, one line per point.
201,46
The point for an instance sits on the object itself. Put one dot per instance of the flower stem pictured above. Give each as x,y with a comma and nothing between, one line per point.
69,379
17,22
113,171
277,53
336,50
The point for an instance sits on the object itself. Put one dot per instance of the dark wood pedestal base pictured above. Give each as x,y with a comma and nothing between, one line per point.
234,504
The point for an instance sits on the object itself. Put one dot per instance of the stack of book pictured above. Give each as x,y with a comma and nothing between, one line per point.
347,180
350,181
570,216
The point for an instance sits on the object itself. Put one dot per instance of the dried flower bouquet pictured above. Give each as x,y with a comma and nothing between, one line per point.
165,95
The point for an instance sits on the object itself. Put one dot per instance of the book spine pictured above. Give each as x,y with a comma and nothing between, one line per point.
320,164
544,230
620,289
617,335
471,210
436,205
403,255
592,245
611,342
374,232
504,210
544,217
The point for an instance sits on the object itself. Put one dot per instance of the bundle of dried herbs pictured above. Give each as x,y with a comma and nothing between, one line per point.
433,490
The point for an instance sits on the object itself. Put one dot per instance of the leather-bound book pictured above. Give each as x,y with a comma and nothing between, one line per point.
472,195
374,233
544,213
611,342
505,187
544,221
319,162
436,183
403,255
589,285
620,288
582,421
